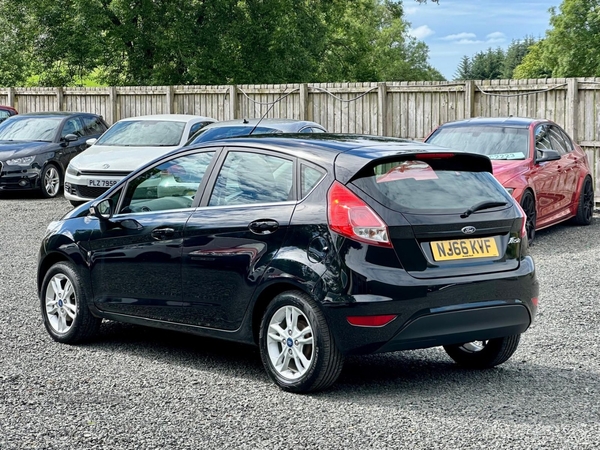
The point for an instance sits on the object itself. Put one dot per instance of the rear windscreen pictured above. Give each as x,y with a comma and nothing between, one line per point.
416,186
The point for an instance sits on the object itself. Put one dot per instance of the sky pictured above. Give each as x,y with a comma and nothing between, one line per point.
455,28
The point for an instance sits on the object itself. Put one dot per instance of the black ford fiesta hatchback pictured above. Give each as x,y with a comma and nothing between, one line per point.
312,247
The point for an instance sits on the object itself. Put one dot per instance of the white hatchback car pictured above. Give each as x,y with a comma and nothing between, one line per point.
124,147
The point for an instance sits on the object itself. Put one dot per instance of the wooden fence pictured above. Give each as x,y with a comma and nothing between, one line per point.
402,109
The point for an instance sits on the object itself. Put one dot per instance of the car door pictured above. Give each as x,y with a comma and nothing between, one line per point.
546,177
571,164
73,125
136,262
233,236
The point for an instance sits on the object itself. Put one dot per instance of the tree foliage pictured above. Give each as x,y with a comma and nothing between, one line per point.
494,63
167,42
571,47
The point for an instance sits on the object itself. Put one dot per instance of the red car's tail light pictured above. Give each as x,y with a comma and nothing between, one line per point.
349,216
534,300
371,321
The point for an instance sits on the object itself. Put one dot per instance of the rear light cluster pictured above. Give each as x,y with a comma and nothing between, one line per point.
350,217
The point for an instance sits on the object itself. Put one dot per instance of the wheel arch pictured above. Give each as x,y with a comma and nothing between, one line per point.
265,297
46,264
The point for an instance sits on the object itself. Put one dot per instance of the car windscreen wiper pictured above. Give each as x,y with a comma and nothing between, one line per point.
480,206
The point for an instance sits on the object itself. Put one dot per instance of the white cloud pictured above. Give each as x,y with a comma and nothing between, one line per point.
421,32
496,37
468,42
410,10
459,37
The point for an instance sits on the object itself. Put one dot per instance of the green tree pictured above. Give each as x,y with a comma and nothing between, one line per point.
487,65
514,55
571,47
463,71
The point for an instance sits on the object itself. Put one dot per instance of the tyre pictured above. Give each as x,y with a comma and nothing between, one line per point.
50,181
483,354
585,207
296,345
528,205
64,303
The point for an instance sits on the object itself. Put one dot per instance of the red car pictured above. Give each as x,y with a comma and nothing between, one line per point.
6,112
535,160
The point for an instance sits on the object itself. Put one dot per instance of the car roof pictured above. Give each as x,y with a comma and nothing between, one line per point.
495,121
56,114
169,117
324,148
281,124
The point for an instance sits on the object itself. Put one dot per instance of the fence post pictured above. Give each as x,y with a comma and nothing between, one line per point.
304,101
469,98
572,108
382,109
11,97
112,105
233,102
59,98
169,99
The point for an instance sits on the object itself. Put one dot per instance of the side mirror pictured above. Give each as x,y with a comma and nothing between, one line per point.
91,142
548,155
102,209
70,137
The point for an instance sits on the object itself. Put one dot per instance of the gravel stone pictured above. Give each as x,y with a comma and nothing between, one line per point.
140,388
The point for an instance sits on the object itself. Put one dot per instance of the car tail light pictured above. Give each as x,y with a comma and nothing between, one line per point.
534,300
371,321
351,217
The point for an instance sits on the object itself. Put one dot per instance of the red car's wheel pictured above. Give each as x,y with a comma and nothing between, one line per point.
585,208
528,205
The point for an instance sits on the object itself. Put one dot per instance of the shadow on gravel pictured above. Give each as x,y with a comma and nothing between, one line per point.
206,354
429,381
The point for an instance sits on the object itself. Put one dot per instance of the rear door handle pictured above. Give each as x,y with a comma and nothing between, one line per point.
162,233
264,226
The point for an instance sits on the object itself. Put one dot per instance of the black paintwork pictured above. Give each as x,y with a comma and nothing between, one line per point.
57,152
212,275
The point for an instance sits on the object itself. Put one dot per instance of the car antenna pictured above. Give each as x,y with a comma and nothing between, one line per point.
281,97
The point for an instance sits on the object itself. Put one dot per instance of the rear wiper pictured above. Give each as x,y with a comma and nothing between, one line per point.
480,206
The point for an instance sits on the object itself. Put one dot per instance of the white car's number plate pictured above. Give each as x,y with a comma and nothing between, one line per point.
102,183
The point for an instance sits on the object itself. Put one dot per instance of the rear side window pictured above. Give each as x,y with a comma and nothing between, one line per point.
92,126
418,187
309,177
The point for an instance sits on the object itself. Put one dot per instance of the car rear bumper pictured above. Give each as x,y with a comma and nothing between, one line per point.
451,311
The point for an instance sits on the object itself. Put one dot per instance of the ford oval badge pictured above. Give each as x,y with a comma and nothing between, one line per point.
469,230
105,166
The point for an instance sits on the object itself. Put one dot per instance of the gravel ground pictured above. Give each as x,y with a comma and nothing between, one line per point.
136,387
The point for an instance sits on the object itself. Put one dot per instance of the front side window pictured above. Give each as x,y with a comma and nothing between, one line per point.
169,185
419,187
248,178
72,126
144,133
496,142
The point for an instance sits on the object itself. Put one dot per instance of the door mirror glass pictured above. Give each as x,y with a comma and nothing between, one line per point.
70,138
102,209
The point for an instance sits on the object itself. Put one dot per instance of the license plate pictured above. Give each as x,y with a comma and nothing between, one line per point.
464,249
102,183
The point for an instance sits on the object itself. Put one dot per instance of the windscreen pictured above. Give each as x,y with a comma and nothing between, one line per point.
30,129
427,187
496,142
143,133
210,134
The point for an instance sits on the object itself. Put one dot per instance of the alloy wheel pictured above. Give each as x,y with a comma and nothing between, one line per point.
61,303
588,200
51,181
529,209
290,342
